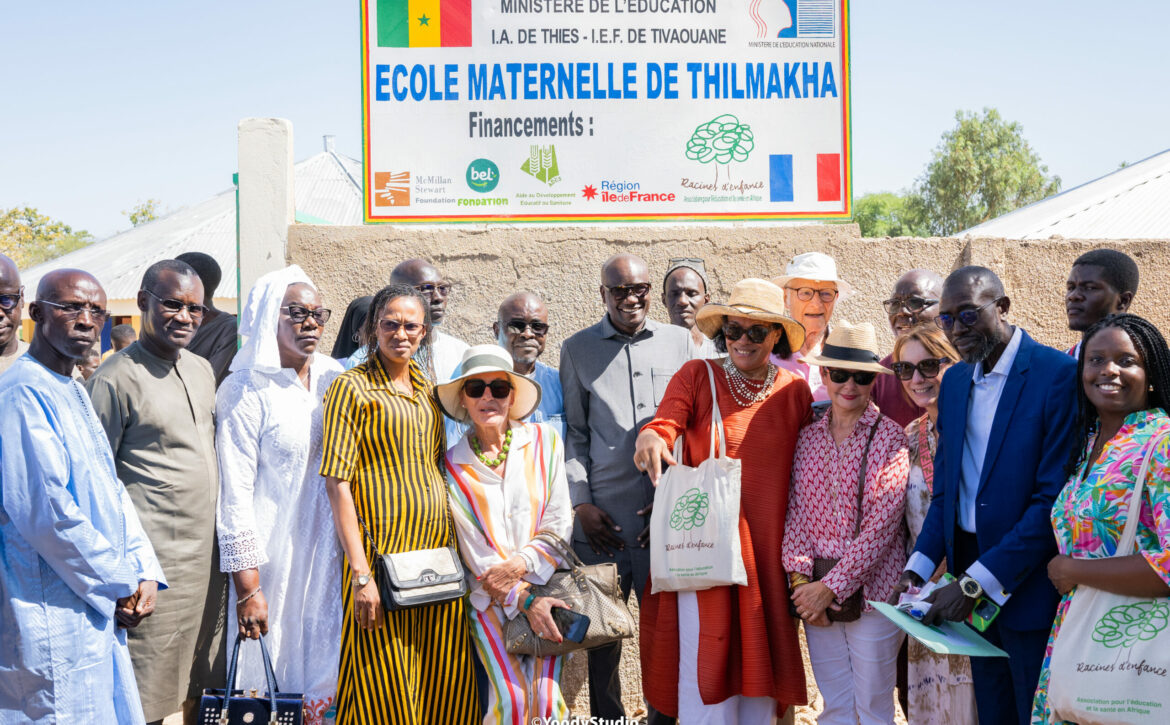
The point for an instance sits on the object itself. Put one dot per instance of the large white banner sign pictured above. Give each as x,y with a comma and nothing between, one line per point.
605,110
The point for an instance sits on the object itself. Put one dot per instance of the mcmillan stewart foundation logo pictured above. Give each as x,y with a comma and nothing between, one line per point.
391,188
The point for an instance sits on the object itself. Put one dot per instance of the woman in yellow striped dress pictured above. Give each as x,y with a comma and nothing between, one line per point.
382,460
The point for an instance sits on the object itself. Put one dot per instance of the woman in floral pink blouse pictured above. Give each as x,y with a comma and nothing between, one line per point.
853,661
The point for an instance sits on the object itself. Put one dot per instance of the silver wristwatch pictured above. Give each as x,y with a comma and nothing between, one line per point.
362,579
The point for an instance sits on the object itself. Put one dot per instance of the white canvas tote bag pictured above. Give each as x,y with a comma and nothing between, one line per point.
694,528
1111,658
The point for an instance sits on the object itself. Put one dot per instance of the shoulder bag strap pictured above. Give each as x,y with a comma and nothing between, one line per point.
369,538
1129,533
862,469
716,417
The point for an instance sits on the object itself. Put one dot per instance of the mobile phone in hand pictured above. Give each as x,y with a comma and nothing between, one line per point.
573,625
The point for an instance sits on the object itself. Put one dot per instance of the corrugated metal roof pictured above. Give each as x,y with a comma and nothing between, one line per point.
327,187
1130,203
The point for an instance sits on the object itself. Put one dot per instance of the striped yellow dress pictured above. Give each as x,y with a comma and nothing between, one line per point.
389,446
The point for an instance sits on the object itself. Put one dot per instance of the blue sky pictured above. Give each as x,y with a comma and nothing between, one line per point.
108,104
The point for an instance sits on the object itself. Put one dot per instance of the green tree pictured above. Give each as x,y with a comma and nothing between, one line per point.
981,169
30,238
885,214
146,211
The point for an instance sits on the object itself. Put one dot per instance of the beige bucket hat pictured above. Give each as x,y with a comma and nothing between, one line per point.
757,299
849,347
480,359
816,266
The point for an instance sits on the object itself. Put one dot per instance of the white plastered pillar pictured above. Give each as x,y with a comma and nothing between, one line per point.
266,200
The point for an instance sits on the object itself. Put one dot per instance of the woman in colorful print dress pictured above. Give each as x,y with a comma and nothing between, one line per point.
1125,379
506,482
940,688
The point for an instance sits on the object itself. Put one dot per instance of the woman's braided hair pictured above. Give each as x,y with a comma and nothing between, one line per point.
1150,344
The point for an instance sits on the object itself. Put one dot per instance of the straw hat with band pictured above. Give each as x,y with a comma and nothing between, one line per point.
815,266
480,359
849,347
757,299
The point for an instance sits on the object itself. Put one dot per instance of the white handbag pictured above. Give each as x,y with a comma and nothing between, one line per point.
694,528
1111,658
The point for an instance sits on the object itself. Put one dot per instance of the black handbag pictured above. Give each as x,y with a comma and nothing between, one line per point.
238,707
417,578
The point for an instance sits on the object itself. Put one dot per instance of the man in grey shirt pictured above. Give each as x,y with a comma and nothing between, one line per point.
613,375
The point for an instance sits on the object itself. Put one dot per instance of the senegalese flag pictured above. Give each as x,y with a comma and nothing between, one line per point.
424,23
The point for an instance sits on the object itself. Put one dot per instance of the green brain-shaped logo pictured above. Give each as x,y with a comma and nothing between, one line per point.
722,140
690,510
1127,624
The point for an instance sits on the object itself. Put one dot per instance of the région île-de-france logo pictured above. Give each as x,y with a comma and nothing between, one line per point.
432,24
483,175
541,164
391,188
589,192
793,18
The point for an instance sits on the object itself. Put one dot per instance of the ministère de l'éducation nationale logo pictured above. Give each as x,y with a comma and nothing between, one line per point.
483,175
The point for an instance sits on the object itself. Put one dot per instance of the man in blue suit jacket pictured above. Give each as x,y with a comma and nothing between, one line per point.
1006,415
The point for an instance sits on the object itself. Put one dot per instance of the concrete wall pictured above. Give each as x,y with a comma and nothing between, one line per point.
563,263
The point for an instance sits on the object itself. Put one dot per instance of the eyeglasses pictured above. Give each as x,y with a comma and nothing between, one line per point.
540,329
968,317
755,333
804,294
861,377
443,288
299,314
895,305
391,327
70,310
174,306
500,388
623,291
928,368
10,302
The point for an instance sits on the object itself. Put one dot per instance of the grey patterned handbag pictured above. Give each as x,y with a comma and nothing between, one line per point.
594,590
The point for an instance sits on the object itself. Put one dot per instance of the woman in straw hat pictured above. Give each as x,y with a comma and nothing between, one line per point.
751,669
506,481
854,446
812,289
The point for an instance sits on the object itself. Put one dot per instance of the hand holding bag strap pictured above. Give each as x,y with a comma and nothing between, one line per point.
1129,533
716,417
231,682
862,470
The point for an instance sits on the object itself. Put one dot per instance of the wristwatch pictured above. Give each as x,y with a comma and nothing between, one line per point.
970,587
361,580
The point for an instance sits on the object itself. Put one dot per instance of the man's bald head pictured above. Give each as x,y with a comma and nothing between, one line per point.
981,281
9,274
10,304
621,266
424,277
64,282
914,300
521,328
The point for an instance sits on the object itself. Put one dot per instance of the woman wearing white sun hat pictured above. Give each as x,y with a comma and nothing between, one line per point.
812,289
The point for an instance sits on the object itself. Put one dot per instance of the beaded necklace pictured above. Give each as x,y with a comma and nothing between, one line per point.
493,462
742,387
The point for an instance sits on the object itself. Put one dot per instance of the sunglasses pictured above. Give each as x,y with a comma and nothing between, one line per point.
70,310
861,377
11,302
804,294
299,314
443,288
968,317
500,388
391,327
540,329
623,291
755,333
895,305
174,306
928,368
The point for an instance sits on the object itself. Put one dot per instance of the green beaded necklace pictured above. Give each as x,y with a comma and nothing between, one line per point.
492,462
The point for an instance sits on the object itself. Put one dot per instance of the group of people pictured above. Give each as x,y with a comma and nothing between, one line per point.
168,501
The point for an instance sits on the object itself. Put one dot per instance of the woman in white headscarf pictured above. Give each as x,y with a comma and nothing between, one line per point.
274,522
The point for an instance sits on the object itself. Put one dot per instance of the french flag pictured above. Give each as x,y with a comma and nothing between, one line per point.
782,181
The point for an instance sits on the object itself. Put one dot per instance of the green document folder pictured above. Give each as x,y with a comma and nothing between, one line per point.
949,638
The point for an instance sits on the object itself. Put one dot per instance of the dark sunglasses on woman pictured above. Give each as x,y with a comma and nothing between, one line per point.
755,333
861,377
928,368
475,387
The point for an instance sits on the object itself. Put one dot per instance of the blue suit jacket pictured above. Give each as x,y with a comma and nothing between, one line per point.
1023,471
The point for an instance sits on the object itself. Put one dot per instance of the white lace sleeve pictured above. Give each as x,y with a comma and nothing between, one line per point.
237,441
